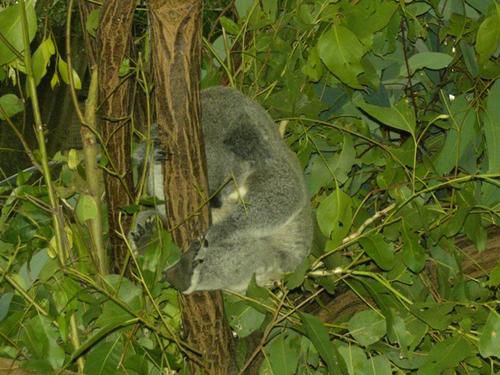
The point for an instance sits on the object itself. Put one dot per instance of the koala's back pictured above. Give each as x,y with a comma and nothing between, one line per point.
261,220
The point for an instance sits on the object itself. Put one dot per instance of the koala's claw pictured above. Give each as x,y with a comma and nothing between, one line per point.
142,233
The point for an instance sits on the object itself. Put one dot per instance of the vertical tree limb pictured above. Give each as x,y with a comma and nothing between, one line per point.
113,44
176,28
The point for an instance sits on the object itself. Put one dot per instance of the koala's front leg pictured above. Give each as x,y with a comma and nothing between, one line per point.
180,275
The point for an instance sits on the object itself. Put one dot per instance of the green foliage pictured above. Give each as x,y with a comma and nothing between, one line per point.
392,108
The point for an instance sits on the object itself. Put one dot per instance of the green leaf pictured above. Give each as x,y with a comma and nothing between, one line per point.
93,22
283,353
458,147
368,17
73,159
12,30
494,277
354,357
469,58
492,128
476,231
318,335
229,25
296,278
335,215
41,337
413,252
406,331
243,318
378,365
11,105
488,37
5,301
437,316
101,334
130,296
446,354
341,164
379,250
367,327
399,116
313,68
457,221
104,358
41,59
489,341
29,271
243,7
429,60
86,208
341,52
62,67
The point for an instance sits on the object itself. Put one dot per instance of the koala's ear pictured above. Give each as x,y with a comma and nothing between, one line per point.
245,141
180,275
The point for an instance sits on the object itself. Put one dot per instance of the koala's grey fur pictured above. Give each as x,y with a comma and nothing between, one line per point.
261,219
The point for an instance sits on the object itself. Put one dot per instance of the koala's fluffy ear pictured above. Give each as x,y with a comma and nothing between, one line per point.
180,275
245,141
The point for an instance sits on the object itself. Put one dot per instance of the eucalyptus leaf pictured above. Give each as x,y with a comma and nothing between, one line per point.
379,250
367,327
489,341
399,116
429,60
446,354
86,208
488,37
334,215
318,335
413,252
341,52
10,105
12,30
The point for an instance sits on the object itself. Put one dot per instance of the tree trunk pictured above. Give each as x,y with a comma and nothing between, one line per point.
114,40
176,28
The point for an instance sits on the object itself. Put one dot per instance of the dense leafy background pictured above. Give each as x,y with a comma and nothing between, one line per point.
393,110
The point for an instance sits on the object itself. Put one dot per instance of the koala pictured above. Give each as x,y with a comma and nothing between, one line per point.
261,215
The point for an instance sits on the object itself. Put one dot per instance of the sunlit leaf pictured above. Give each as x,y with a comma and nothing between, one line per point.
41,59
62,67
86,208
10,105
12,30
341,52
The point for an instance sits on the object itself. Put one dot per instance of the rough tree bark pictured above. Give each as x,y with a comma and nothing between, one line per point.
176,35
113,43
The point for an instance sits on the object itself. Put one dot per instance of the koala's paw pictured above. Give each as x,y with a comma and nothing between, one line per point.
142,234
